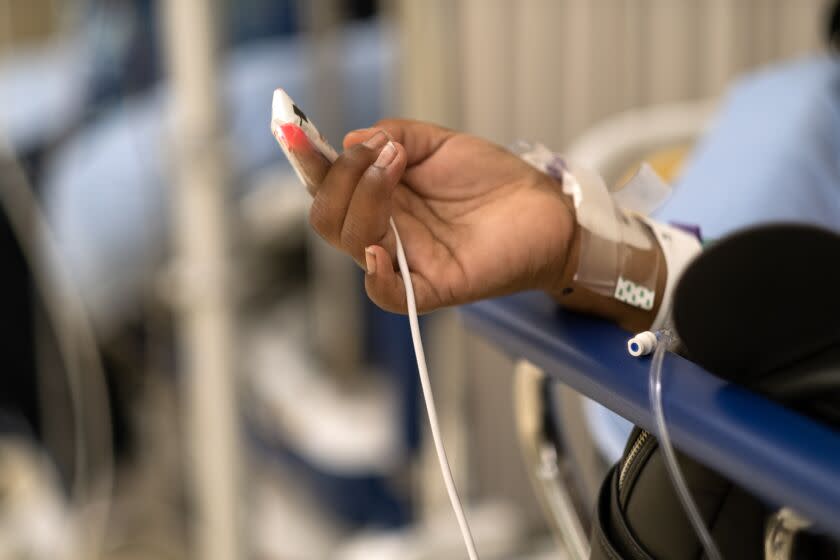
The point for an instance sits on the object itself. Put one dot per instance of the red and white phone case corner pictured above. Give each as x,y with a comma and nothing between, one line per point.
306,149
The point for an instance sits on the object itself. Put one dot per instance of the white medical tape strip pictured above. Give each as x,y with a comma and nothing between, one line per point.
644,193
678,248
596,210
594,206
540,157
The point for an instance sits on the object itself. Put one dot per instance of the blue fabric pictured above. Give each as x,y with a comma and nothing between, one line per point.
773,154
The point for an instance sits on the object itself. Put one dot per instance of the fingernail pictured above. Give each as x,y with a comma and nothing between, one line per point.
376,141
386,156
370,261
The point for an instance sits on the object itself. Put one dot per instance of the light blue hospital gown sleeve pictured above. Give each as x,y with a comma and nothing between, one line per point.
773,154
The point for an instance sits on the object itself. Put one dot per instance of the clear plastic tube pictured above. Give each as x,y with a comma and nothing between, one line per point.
674,472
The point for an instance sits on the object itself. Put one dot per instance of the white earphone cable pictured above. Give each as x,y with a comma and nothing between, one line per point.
428,397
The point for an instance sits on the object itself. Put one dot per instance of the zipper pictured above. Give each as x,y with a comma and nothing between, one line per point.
634,452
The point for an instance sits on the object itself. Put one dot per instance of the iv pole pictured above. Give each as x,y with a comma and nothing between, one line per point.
203,276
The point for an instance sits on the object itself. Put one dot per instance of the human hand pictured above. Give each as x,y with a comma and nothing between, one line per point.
475,220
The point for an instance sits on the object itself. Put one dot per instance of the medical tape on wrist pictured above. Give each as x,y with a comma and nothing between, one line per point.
611,237
610,240
678,248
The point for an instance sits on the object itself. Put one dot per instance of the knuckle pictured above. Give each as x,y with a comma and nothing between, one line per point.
376,188
380,188
319,219
350,235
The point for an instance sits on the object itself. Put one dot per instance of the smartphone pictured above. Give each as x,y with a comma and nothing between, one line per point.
306,149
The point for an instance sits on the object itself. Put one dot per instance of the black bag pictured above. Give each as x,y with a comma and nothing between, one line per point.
732,322
640,517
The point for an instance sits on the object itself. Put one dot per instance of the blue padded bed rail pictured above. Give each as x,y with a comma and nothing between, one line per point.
784,457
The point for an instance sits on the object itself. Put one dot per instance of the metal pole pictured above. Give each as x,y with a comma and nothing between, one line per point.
203,276
334,308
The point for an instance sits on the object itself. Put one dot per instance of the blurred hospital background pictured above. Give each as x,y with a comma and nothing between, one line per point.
187,371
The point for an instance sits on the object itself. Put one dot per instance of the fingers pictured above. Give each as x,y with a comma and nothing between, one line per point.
351,207
420,139
383,284
370,207
385,287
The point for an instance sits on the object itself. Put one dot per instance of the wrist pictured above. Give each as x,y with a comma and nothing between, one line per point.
631,248
571,294
551,276
559,283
